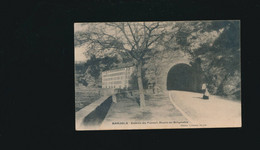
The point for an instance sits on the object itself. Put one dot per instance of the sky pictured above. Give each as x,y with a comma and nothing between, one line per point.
78,51
79,27
79,56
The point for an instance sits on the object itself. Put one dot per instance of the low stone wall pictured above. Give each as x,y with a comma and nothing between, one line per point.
84,112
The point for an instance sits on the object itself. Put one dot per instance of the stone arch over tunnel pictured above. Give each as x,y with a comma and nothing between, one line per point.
183,77
171,60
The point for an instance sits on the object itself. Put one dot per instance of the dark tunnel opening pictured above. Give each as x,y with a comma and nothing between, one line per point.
184,78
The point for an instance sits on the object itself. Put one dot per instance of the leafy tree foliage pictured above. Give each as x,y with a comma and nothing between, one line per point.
134,80
93,67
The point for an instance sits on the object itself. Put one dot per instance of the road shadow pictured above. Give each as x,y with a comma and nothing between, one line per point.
198,97
201,98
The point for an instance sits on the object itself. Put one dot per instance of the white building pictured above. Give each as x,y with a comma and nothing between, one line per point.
117,78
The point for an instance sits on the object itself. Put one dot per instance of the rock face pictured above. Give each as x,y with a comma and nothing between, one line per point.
231,86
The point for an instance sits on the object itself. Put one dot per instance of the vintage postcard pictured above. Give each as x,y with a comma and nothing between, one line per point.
157,75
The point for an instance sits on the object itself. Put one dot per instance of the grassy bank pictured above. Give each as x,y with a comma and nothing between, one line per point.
85,96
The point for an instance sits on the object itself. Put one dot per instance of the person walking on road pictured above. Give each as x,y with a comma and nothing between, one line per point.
205,91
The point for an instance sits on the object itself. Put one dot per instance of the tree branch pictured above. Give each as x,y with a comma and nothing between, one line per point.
136,43
159,36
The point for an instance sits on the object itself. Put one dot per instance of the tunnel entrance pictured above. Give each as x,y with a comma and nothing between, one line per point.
184,78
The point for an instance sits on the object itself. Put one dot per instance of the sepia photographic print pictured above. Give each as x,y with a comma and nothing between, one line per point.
157,75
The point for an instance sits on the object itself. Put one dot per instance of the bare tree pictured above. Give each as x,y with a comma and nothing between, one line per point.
134,39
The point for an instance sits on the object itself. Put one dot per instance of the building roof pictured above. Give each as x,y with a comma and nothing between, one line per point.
120,66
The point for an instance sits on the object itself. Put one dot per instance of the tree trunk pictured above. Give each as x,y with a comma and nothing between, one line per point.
140,85
155,85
